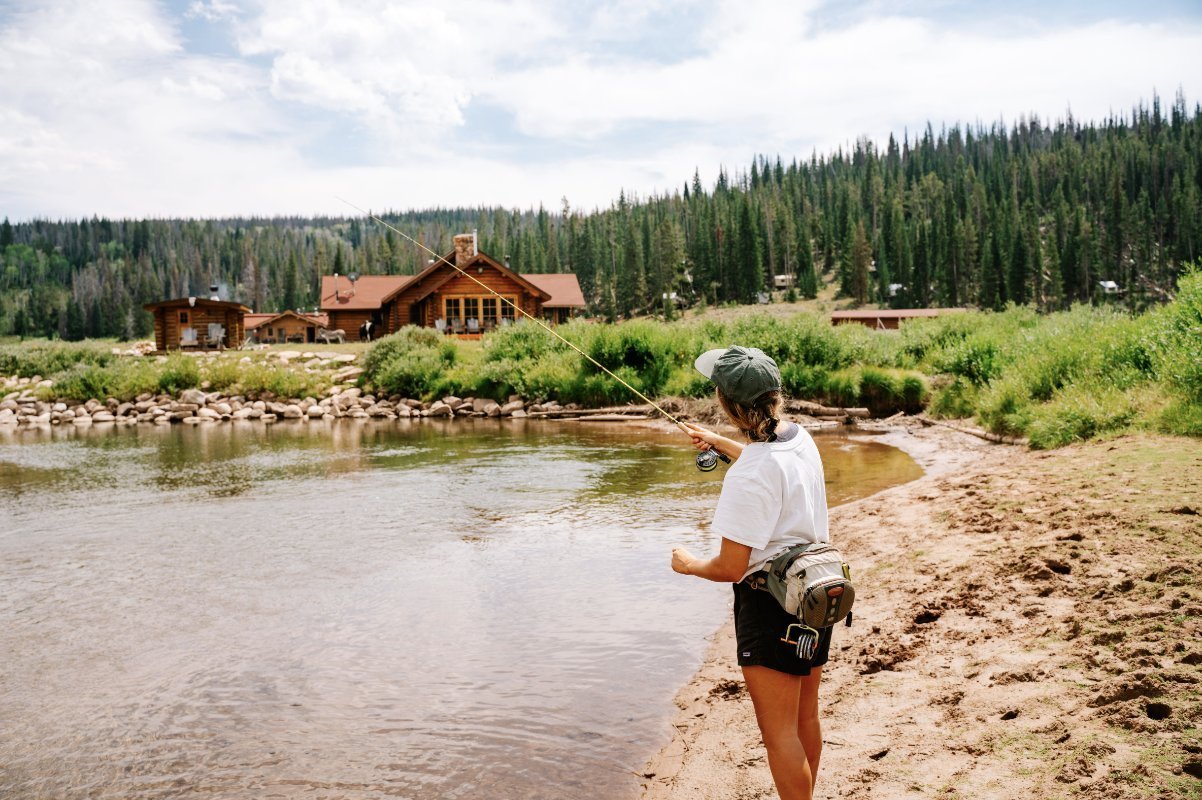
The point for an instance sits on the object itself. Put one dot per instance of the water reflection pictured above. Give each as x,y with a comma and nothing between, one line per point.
427,609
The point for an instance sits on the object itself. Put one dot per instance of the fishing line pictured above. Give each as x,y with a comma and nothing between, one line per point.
705,466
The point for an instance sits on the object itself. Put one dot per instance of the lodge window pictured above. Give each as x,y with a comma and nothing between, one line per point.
183,318
487,310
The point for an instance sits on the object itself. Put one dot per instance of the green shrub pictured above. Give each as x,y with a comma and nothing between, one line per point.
1005,408
685,381
880,392
803,381
260,378
914,392
955,400
46,359
1079,413
1181,418
84,382
1175,338
223,373
641,353
524,341
975,358
410,362
178,373
843,388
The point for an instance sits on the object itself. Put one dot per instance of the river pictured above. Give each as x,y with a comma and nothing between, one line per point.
468,609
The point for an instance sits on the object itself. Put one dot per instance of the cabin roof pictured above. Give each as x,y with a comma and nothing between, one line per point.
562,286
894,313
560,290
196,302
452,270
368,294
254,321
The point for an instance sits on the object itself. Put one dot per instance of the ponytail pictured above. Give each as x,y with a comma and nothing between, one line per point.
757,421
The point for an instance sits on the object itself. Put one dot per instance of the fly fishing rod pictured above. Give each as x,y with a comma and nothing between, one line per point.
707,460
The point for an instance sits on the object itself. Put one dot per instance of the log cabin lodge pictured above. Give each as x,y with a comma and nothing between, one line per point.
443,297
285,327
194,323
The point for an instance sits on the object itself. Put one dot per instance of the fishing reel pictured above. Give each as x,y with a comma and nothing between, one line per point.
707,460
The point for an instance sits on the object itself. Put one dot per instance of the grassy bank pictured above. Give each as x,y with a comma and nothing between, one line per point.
90,370
1055,379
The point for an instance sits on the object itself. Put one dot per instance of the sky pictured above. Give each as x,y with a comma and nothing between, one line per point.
214,108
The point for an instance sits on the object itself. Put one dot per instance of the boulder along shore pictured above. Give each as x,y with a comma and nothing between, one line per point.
1027,624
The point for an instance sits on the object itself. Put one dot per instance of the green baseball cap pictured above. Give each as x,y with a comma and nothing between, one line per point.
744,374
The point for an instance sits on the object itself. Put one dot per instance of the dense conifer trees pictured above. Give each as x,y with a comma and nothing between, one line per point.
1032,214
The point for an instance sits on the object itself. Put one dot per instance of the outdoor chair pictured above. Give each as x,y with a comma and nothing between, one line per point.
457,325
440,325
216,335
473,325
187,337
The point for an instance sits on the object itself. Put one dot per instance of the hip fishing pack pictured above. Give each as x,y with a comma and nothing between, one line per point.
813,583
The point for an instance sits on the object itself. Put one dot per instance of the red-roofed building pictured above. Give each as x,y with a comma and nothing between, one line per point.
286,326
450,294
888,318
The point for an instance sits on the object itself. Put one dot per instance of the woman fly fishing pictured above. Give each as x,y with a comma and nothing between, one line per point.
773,497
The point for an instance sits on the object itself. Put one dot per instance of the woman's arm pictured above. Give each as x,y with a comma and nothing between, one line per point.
726,567
705,439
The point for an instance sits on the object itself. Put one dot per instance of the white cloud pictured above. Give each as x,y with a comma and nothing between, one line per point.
212,10
468,102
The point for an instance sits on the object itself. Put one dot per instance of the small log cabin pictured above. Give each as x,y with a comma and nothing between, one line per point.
888,318
285,326
442,297
194,323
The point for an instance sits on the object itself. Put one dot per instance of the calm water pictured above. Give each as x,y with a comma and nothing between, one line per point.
426,610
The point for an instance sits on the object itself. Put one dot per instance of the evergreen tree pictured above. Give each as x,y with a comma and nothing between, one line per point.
76,330
861,258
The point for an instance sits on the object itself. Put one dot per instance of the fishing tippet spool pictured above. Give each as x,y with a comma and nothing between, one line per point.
707,460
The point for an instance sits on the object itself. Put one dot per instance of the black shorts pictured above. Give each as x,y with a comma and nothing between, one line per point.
761,624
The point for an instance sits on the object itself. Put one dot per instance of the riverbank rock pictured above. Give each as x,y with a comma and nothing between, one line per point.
192,397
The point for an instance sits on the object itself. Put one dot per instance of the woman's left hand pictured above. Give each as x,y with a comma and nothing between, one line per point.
681,559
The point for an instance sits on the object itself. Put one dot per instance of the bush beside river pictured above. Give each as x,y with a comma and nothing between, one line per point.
1053,378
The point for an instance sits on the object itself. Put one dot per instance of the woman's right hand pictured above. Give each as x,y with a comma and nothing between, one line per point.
703,438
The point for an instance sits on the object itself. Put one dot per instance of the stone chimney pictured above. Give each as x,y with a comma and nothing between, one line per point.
465,249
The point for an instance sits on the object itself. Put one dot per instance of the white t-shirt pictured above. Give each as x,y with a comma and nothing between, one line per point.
774,497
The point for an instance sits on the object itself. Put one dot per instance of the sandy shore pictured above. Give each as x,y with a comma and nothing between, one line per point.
1027,625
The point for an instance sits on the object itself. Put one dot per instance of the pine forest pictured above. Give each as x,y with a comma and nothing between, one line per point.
1031,214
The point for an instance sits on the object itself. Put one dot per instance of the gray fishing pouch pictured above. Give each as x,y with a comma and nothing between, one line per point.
810,581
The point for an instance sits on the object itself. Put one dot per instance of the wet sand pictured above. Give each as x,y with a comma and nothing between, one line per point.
1027,625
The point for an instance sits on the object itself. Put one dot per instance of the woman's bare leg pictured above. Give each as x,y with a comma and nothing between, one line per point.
775,697
809,729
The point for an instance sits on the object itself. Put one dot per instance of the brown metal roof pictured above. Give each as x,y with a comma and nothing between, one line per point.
562,286
893,313
253,321
368,294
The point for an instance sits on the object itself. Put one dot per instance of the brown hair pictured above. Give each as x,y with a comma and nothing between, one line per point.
756,421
